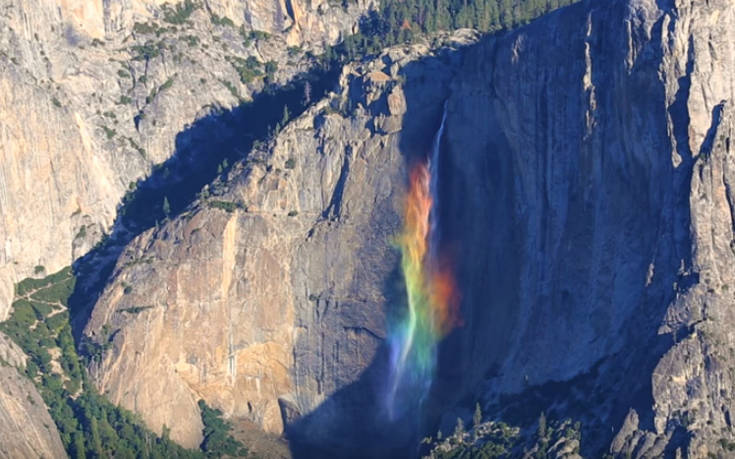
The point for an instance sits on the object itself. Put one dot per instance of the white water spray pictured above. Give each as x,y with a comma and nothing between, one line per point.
434,231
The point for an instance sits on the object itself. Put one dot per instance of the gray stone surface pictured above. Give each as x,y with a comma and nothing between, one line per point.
278,304
26,429
73,79
586,198
591,154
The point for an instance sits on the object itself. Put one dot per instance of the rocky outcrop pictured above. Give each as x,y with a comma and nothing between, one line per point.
266,296
26,429
95,93
595,163
586,199
301,23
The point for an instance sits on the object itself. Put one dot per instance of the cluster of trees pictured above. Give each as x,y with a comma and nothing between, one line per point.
217,439
179,13
89,425
499,440
402,21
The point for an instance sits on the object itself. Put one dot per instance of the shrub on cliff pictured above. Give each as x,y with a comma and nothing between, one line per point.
217,439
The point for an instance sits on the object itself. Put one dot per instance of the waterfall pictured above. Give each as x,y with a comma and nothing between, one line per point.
434,158
430,288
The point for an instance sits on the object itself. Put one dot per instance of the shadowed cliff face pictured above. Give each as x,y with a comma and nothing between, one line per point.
571,201
585,198
581,233
93,95
287,260
204,151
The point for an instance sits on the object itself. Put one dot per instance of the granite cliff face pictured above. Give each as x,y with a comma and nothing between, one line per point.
94,94
26,429
266,296
586,196
596,164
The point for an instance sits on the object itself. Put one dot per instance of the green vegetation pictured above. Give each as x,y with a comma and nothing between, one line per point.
145,28
290,163
29,285
217,440
191,40
727,445
136,147
259,35
56,102
88,424
403,21
499,440
179,13
227,206
233,90
167,84
155,91
293,213
110,133
147,51
136,309
248,69
271,67
222,21
496,441
81,233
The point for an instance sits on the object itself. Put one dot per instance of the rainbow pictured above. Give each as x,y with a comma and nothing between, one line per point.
431,292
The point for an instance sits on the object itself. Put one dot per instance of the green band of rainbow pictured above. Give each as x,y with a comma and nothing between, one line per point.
431,296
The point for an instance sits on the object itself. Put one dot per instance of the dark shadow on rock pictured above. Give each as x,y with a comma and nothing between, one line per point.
203,151
484,227
655,228
356,421
353,421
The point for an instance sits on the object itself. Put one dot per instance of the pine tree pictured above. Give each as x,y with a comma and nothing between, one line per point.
286,115
166,207
307,93
94,437
459,430
542,425
78,445
476,420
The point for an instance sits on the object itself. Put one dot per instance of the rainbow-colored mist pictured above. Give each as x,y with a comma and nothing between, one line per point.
430,288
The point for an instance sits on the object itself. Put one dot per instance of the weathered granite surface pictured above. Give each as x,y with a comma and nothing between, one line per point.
587,198
26,429
93,94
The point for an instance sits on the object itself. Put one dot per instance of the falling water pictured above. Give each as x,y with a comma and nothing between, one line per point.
434,235
430,288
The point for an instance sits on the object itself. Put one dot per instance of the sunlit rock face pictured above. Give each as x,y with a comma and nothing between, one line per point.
26,429
585,201
94,94
268,295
